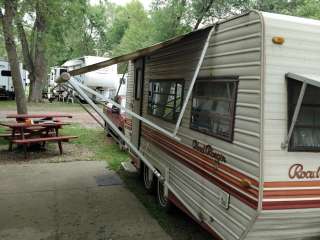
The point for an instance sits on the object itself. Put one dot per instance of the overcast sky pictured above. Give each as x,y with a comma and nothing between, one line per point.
146,3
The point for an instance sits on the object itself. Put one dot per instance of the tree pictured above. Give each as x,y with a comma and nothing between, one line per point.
8,33
34,54
2,45
167,19
309,8
139,31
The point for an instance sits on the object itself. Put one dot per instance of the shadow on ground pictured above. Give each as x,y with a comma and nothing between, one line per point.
177,224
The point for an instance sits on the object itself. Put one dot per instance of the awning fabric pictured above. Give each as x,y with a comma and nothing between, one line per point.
138,53
312,79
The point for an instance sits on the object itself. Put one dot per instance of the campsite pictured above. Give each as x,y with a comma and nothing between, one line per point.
160,119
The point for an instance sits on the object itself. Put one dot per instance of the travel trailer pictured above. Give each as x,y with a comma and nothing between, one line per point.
6,85
247,164
224,122
104,81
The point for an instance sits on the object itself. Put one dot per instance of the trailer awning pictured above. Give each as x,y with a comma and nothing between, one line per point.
312,79
139,53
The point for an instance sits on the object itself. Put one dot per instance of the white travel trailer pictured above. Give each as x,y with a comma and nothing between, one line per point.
6,85
247,165
104,81
230,125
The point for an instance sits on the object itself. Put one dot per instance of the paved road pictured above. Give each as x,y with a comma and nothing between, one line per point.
66,201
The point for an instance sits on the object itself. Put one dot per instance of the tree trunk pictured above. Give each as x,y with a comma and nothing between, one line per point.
7,21
27,58
40,61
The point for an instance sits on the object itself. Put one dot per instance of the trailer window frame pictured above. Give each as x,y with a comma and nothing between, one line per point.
291,105
233,101
175,107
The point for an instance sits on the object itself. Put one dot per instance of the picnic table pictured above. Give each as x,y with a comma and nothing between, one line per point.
43,128
23,117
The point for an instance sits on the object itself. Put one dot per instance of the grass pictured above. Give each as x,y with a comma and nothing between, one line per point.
95,140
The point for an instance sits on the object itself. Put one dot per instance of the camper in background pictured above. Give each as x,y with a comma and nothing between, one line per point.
6,85
105,80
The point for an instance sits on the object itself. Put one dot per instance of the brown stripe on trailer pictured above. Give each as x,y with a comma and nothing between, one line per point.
199,163
283,205
292,184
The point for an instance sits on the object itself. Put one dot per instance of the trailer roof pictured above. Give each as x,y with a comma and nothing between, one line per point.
312,79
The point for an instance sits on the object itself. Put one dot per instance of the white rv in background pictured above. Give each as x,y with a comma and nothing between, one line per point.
6,85
104,81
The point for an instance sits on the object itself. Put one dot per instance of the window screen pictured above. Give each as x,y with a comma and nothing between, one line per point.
213,107
165,99
306,132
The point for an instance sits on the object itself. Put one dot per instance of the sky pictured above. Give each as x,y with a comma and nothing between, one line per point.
145,3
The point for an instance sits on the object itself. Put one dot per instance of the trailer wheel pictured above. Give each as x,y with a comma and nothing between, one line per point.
148,179
163,201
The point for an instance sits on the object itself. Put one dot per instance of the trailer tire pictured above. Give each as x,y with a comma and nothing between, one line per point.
163,201
149,180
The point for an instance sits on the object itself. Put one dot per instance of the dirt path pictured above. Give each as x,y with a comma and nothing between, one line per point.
75,200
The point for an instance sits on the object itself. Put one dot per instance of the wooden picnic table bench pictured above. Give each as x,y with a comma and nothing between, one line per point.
27,133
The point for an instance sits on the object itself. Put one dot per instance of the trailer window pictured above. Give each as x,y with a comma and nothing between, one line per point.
6,73
165,99
213,107
306,132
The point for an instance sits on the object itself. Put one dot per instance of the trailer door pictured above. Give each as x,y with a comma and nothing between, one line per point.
137,101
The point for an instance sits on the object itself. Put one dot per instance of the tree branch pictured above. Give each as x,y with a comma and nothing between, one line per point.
205,9
25,46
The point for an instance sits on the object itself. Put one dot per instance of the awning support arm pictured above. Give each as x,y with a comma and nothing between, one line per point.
133,114
194,78
284,145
